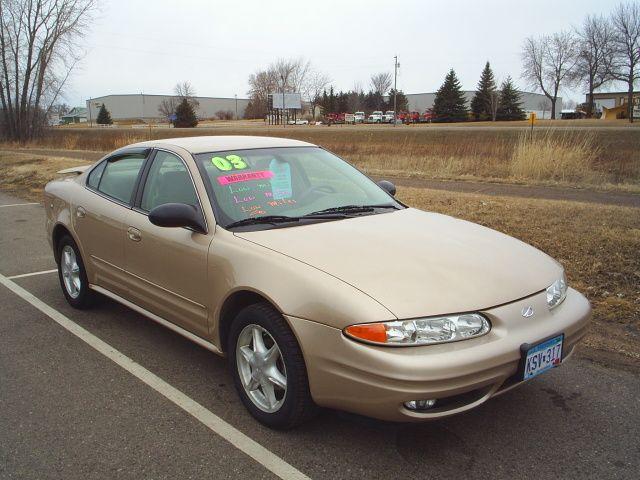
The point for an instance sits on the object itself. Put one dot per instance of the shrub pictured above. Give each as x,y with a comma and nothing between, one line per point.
224,115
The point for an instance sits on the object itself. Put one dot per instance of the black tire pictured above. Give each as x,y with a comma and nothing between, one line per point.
85,297
298,406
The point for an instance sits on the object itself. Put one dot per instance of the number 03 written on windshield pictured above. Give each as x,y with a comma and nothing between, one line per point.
230,162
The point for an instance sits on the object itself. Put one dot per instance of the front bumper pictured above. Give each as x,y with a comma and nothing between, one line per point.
376,381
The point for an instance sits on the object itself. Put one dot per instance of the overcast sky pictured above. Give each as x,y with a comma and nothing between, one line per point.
148,45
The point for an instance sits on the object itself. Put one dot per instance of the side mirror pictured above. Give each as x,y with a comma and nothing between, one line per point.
388,187
177,215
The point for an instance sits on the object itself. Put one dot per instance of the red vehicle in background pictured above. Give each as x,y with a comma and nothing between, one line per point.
427,116
416,117
334,118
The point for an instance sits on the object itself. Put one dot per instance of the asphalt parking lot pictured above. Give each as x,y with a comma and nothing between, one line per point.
68,410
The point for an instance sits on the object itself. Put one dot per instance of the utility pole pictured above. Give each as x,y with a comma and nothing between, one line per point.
236,98
395,90
284,123
90,117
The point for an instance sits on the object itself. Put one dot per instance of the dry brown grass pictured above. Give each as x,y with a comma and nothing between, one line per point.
564,157
598,245
26,174
594,157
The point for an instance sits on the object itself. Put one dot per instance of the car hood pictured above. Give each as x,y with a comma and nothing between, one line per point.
417,263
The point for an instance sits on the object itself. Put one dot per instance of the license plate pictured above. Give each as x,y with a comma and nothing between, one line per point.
542,357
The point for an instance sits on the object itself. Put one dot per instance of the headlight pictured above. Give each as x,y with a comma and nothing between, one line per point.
421,331
557,291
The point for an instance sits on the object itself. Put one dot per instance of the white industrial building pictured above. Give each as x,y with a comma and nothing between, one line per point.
144,107
531,102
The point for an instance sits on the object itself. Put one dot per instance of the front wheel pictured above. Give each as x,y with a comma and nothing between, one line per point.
72,274
268,368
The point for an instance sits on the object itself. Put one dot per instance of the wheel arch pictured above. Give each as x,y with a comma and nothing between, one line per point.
59,231
230,308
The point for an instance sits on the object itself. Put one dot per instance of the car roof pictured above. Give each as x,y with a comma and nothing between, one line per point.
213,143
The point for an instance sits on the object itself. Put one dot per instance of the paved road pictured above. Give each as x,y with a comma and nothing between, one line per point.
486,188
67,411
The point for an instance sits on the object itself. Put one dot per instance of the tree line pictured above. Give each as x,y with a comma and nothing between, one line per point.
602,50
488,103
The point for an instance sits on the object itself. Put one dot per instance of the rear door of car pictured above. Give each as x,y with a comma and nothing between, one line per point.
168,266
100,211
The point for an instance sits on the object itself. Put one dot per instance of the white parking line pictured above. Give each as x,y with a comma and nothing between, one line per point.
22,275
18,204
234,436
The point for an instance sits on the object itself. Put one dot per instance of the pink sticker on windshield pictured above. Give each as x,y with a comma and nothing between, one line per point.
244,177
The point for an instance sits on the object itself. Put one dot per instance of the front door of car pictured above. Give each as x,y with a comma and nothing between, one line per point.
99,214
168,266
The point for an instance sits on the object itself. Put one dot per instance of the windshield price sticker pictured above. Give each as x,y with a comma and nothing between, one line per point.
281,182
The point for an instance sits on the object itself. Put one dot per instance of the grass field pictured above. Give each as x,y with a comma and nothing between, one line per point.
603,158
598,245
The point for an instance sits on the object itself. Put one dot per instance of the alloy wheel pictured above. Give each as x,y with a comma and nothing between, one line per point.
261,368
70,271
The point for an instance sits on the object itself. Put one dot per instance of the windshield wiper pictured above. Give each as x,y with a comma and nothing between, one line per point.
264,219
279,219
350,209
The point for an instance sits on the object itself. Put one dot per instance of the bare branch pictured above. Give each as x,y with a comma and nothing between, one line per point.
381,82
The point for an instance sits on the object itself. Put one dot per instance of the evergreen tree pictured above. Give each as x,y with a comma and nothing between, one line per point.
450,104
331,102
510,105
324,103
185,115
104,117
481,105
342,101
402,104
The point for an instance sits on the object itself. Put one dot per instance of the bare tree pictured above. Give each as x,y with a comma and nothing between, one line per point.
493,102
548,62
292,75
312,88
167,107
261,84
184,90
296,73
38,50
595,56
381,82
626,26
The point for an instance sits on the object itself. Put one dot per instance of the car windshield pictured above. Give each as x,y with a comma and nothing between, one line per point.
286,182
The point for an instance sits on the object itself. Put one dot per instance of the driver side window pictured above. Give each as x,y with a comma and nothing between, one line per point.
168,181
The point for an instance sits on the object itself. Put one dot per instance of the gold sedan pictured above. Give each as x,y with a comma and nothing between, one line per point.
319,286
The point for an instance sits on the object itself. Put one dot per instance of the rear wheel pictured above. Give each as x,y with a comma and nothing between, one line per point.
268,369
72,274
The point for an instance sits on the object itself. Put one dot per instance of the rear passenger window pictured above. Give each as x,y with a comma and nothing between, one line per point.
119,177
94,176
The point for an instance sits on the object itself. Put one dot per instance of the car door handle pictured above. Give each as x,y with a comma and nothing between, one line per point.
80,212
134,234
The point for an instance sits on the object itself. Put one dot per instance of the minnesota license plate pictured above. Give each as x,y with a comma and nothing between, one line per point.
542,357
